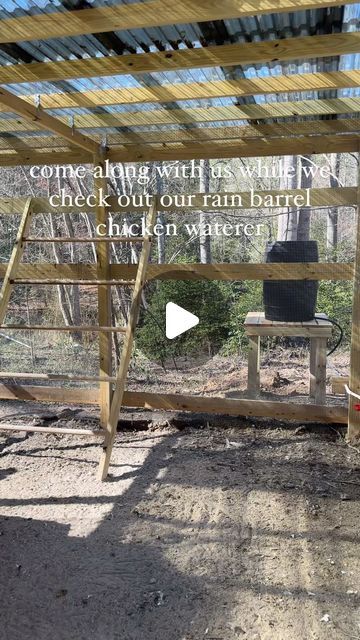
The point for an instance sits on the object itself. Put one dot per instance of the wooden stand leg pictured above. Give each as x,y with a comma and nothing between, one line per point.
320,385
313,349
254,366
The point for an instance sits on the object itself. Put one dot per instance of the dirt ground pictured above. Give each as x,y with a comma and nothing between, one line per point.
226,529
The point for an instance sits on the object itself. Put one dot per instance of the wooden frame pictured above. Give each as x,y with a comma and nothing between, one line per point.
136,16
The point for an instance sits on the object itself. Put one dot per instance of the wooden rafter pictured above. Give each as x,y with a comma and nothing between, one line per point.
244,147
197,90
149,14
192,116
222,56
196,134
45,121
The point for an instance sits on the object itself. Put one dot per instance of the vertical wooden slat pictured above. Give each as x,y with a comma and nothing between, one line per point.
127,347
14,261
354,381
104,303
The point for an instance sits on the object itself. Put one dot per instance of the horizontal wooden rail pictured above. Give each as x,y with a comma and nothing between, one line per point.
325,197
71,240
71,329
115,283
174,402
193,271
54,377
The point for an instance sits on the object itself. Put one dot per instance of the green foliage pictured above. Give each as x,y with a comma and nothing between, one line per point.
208,300
335,299
245,299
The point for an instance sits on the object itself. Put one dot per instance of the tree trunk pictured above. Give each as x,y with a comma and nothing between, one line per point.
288,221
204,187
303,231
332,236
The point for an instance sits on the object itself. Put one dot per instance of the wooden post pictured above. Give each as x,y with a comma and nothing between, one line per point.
254,366
320,371
354,381
313,345
104,302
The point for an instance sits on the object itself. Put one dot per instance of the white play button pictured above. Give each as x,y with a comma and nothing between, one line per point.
178,320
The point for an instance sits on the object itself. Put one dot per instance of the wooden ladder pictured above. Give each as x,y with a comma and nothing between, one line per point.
10,279
15,258
119,387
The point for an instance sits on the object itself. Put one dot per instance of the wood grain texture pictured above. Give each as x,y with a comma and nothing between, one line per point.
194,271
354,378
43,120
174,402
192,116
149,14
198,90
300,48
300,145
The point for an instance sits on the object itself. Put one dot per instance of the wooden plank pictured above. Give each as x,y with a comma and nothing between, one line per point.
127,119
13,264
302,145
43,120
299,48
195,271
71,328
51,430
354,378
288,331
195,134
320,371
104,300
62,395
173,402
126,352
141,16
305,145
338,196
194,91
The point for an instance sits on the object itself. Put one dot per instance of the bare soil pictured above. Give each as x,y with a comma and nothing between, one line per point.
226,529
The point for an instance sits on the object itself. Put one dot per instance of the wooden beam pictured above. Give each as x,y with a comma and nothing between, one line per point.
172,402
211,114
195,134
304,145
196,90
194,271
51,430
300,145
354,379
332,197
200,57
104,300
44,120
142,16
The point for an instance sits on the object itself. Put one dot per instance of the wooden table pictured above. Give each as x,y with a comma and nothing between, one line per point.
318,330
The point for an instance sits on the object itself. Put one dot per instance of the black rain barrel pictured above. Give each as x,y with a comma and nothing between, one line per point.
290,300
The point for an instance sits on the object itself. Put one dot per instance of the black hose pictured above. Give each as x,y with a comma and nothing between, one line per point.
336,324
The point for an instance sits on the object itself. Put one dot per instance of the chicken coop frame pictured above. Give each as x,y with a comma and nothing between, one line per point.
69,128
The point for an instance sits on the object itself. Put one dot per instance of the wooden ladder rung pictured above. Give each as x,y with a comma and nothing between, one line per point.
42,327
89,240
124,283
54,376
75,432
